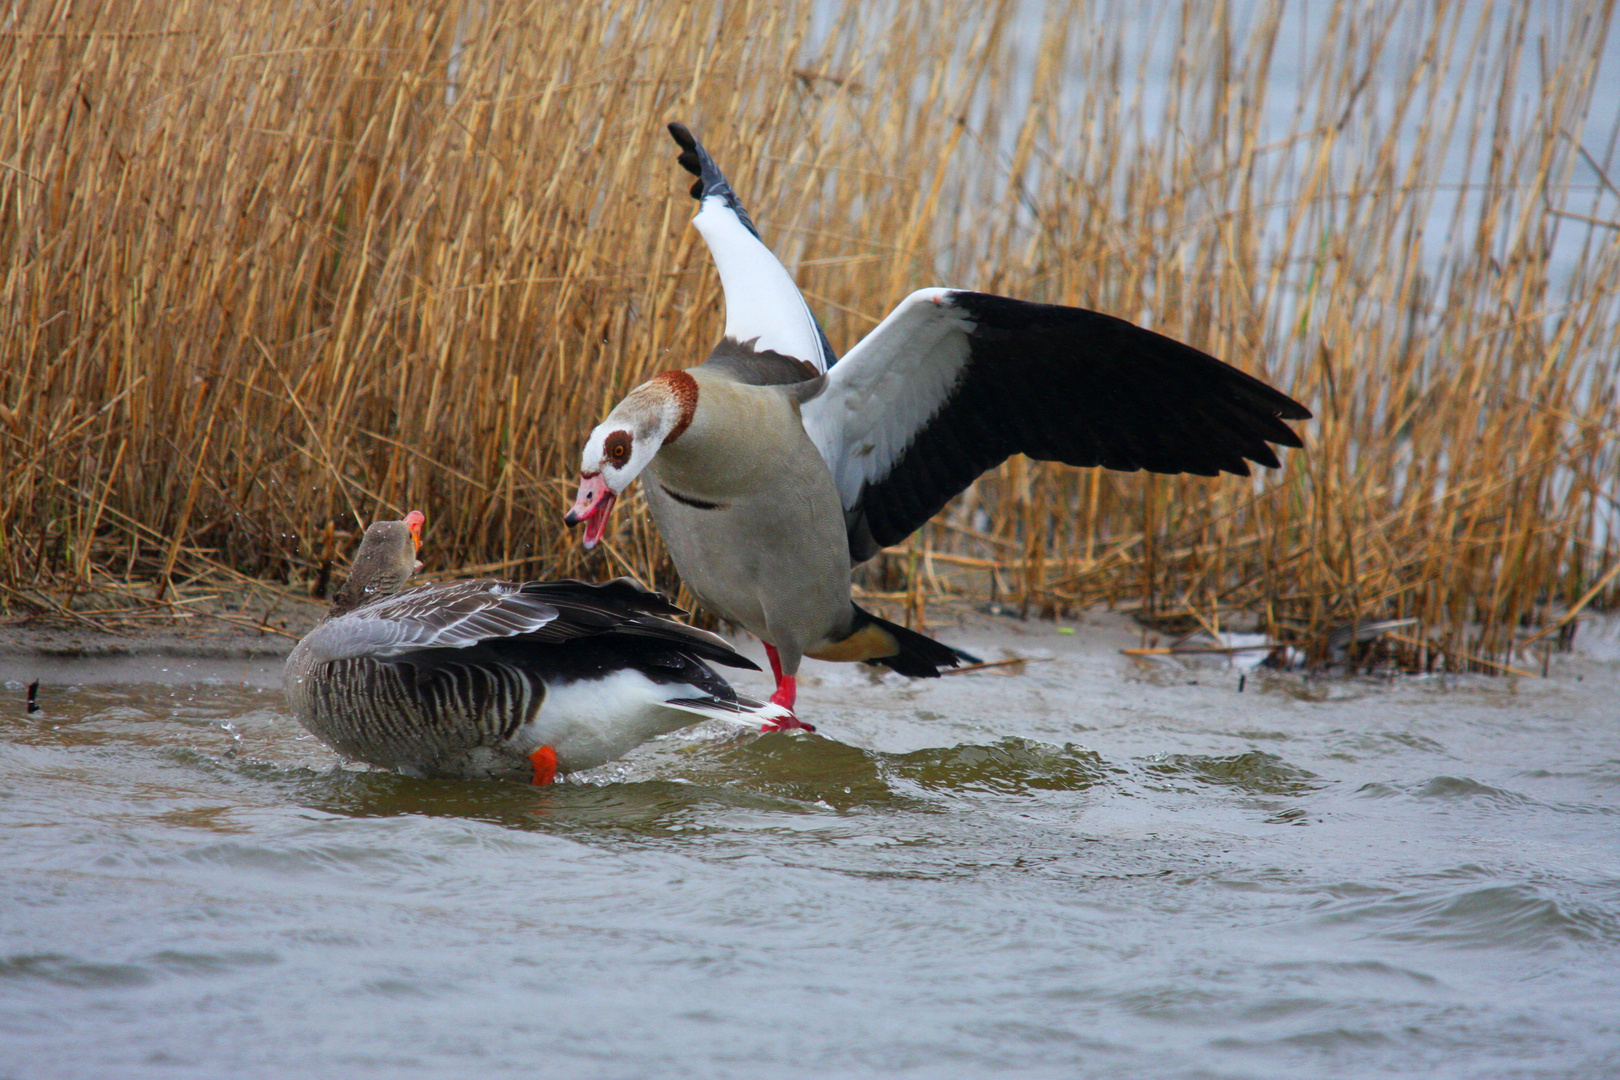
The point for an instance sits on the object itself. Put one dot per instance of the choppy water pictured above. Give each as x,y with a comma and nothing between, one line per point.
1089,868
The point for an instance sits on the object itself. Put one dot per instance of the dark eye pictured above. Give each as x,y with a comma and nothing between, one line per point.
617,448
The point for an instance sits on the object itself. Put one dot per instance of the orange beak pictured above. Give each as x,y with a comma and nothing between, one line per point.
414,522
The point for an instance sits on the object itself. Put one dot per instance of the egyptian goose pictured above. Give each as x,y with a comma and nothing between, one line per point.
491,678
771,470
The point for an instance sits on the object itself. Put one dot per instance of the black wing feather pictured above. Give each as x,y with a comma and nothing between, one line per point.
1080,387
710,180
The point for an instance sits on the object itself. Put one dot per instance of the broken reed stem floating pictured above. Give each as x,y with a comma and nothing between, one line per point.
1170,650
1464,656
1016,661
396,258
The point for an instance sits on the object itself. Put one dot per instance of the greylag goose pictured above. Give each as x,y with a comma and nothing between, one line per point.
771,469
491,678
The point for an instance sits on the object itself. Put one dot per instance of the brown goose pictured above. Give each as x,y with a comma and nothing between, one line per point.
496,679
771,470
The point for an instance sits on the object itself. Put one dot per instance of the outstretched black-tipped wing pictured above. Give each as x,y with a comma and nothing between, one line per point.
952,383
764,309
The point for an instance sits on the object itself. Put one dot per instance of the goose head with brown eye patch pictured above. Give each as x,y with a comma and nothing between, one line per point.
654,413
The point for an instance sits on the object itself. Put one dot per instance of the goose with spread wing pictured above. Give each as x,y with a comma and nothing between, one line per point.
487,678
771,469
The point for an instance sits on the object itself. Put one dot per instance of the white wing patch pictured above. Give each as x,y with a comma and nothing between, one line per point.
887,388
763,304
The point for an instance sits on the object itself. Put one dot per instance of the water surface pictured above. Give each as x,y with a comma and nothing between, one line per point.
1089,867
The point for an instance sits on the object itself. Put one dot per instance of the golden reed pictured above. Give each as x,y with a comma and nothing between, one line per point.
272,270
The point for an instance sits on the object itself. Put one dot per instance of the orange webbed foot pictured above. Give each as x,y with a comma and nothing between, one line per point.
545,766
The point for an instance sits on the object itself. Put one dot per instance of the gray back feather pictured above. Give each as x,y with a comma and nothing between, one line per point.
430,617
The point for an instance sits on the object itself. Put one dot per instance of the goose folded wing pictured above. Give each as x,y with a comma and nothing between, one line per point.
446,618
625,608
434,617
952,383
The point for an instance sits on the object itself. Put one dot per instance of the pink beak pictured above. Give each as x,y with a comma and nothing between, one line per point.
592,506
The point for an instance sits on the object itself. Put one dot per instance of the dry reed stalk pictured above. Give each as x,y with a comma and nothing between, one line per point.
272,270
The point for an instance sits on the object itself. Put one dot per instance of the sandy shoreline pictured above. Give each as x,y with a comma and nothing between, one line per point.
1088,649
198,649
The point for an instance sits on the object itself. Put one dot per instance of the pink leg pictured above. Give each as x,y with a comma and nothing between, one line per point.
787,691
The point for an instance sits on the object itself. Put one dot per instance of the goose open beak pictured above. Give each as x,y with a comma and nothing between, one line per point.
592,505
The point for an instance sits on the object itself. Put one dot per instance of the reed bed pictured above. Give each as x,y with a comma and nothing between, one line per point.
271,271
